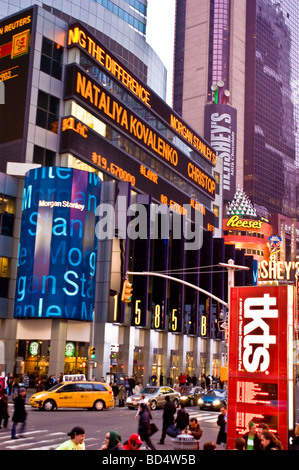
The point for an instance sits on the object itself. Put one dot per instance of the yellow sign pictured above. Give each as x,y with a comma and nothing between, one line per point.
20,44
236,222
124,118
193,139
97,52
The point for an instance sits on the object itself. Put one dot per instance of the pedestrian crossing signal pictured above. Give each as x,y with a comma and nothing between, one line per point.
92,353
126,295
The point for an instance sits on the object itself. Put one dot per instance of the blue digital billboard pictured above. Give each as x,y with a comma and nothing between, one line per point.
58,247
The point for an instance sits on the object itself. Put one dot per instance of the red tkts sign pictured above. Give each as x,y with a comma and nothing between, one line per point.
261,366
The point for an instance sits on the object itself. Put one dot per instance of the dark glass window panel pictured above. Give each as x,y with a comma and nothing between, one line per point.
56,70
45,64
41,118
49,158
42,101
57,53
47,47
4,287
53,105
52,123
7,224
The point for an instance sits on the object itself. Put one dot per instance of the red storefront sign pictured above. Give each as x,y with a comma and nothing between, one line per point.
261,366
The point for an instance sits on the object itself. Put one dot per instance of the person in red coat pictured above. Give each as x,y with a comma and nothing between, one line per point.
133,443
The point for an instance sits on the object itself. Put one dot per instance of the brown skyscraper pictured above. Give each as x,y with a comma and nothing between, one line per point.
250,47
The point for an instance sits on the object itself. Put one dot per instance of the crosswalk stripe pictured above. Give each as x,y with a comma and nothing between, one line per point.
53,440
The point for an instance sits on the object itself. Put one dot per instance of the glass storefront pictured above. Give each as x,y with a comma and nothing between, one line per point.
138,364
190,363
33,356
174,366
76,358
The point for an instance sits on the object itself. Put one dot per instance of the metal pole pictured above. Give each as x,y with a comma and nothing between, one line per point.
165,276
90,364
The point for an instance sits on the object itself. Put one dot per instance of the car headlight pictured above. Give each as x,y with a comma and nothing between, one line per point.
184,398
129,400
37,397
216,402
200,401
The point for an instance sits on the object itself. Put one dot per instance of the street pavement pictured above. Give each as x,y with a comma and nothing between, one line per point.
46,430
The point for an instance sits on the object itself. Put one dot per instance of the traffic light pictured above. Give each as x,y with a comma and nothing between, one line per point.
126,295
92,353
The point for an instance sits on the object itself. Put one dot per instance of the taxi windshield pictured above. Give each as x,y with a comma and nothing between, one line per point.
55,387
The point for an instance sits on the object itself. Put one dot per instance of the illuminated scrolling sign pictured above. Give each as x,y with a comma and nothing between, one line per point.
193,139
99,153
58,246
103,103
261,368
78,36
15,54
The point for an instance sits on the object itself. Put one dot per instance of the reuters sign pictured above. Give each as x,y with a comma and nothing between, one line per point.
261,365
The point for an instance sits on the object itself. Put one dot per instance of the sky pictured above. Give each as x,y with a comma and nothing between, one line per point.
160,35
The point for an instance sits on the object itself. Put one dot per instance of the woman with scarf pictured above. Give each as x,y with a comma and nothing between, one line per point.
112,441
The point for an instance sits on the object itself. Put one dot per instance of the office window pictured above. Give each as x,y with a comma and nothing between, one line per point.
51,58
43,156
47,114
4,276
216,212
7,215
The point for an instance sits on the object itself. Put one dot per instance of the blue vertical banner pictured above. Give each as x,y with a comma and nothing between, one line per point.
58,247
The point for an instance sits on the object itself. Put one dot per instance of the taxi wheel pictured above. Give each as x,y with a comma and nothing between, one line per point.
176,402
49,405
99,405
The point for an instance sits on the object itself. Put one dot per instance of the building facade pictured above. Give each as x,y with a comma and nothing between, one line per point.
249,49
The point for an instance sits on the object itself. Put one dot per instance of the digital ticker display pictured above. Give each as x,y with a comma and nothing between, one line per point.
15,47
78,36
97,98
94,149
58,247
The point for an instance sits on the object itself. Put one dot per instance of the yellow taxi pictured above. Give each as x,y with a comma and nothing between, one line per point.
75,394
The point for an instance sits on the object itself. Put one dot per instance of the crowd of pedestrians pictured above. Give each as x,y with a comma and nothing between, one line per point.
258,436
174,422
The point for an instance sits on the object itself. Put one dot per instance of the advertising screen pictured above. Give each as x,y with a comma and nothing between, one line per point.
97,151
261,366
80,37
221,133
58,246
103,104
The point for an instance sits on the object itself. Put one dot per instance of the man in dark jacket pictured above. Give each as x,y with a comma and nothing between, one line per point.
168,418
144,426
20,413
182,417
222,423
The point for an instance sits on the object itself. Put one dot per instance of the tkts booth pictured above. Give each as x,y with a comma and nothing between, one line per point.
261,367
